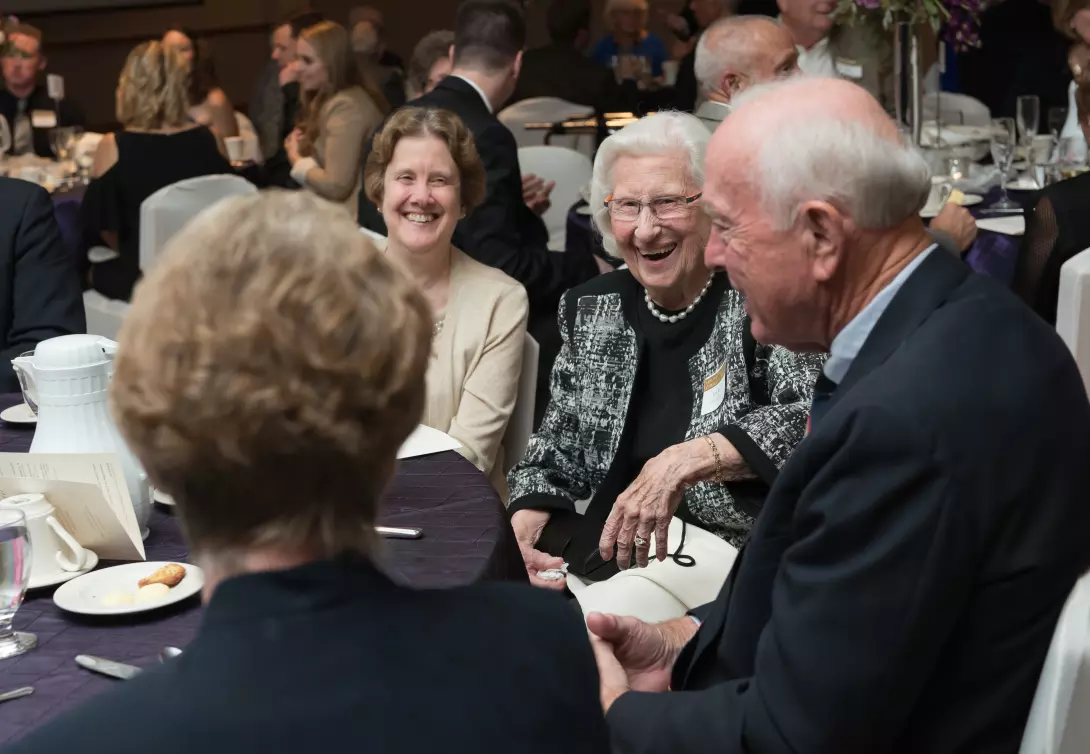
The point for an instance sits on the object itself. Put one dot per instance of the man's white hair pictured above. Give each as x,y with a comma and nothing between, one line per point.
666,133
877,182
726,45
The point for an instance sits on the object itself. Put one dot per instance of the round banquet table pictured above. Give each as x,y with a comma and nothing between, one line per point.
467,538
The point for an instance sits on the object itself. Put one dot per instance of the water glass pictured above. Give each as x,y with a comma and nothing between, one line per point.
1003,146
14,576
1028,111
958,168
1057,119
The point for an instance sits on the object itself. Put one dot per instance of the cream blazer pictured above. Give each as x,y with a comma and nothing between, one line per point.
476,361
335,172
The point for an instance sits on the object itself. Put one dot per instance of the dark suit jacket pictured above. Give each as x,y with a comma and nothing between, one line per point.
503,232
900,588
70,114
333,657
562,71
40,292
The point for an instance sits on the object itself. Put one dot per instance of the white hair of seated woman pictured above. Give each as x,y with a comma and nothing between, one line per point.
661,133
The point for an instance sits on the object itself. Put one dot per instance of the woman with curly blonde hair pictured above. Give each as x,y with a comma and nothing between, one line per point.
337,117
157,145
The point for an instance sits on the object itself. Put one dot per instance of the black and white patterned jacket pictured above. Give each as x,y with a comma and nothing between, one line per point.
763,413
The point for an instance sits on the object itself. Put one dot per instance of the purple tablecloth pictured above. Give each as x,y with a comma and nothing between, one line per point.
992,254
66,205
467,538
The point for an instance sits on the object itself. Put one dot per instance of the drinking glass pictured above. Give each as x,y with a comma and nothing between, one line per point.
1057,119
5,137
1003,145
14,575
1028,111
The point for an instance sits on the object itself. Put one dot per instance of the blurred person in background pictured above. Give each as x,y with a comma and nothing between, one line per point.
337,116
431,62
361,17
390,80
276,437
209,104
704,13
158,144
629,49
24,102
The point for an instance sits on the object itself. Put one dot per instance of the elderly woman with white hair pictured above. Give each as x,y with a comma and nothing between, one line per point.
665,413
629,48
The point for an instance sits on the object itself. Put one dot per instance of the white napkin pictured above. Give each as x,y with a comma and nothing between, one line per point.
1014,225
424,441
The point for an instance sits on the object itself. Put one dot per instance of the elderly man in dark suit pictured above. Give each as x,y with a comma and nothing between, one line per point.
40,294
900,588
503,232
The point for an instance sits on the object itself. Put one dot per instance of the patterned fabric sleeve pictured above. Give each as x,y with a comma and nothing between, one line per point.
766,436
552,475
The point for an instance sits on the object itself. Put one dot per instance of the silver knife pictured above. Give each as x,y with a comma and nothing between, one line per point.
108,667
16,694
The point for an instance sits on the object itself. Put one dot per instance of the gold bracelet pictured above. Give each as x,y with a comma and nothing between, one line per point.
717,477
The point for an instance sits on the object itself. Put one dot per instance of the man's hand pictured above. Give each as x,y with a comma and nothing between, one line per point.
535,193
289,73
644,651
957,223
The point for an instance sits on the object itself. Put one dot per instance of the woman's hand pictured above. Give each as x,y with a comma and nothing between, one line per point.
528,525
291,147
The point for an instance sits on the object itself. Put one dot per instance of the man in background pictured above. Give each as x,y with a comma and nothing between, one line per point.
274,104
430,62
737,53
370,51
364,16
24,102
561,68
705,13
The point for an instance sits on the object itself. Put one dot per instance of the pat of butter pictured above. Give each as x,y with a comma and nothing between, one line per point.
956,197
152,592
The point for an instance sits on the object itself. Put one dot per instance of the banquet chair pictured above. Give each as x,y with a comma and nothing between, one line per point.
104,315
376,238
251,144
521,424
1059,719
956,109
1073,311
547,110
571,171
165,212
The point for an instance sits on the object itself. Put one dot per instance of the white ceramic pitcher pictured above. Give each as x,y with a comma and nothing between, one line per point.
70,376
48,538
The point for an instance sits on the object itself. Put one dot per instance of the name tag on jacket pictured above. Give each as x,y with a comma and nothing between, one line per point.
715,390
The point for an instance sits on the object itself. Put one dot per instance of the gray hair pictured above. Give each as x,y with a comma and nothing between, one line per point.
660,133
876,182
727,44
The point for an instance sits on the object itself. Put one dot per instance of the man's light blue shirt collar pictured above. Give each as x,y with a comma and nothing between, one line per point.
849,341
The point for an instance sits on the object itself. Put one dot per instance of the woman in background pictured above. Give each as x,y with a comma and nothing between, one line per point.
209,104
158,145
424,175
337,117
629,49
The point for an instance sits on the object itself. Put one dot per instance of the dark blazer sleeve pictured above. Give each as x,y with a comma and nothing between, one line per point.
843,656
490,234
46,296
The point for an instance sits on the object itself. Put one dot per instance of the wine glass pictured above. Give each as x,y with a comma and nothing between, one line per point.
5,138
1003,144
14,575
1028,115
1057,119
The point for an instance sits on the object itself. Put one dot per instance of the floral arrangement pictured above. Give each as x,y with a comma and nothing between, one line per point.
957,21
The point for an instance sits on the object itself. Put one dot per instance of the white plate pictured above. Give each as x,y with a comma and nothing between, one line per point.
59,578
19,414
968,200
84,595
161,497
1023,184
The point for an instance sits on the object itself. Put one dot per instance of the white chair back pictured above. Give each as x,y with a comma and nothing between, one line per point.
571,171
251,145
166,211
547,110
956,109
1073,310
521,424
1059,720
104,315
377,239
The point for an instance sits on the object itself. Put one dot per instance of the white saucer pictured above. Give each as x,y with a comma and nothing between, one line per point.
59,578
161,497
84,595
19,414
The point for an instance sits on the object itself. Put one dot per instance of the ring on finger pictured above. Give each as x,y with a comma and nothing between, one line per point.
639,541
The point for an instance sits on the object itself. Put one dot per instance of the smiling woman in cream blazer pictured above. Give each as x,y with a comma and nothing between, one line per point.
424,175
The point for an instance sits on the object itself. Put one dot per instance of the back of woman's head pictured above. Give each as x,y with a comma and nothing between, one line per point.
152,91
272,365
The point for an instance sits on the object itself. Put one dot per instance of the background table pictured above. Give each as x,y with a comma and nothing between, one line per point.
467,538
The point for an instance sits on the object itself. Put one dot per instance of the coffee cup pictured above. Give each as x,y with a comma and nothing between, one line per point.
53,549
236,148
941,187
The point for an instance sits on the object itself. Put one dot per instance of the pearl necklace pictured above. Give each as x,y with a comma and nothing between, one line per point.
672,318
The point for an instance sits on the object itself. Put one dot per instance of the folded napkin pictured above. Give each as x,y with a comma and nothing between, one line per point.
953,136
1015,225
